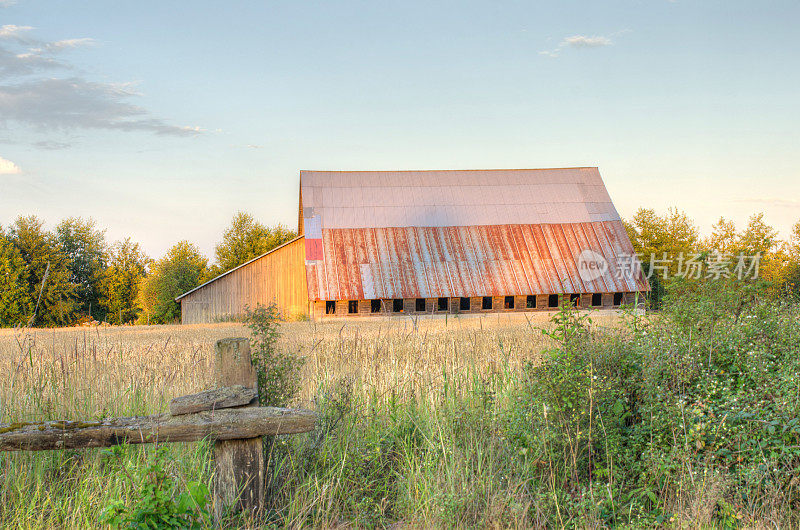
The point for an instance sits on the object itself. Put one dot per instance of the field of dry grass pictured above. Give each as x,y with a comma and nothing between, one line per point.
73,373
85,373
460,422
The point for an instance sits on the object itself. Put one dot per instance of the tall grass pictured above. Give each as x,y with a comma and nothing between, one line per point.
79,373
681,420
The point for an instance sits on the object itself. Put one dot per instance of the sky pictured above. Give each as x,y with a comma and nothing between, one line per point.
160,120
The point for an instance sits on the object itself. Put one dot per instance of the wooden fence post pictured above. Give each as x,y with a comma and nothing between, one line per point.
239,471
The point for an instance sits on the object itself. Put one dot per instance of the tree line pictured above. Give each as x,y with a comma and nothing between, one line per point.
72,274
677,237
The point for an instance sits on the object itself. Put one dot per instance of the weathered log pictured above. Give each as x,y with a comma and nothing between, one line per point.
225,424
239,466
218,398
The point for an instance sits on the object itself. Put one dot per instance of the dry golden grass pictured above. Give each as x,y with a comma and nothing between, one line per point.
77,373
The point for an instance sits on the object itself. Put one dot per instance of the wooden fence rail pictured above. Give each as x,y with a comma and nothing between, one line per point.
229,415
224,424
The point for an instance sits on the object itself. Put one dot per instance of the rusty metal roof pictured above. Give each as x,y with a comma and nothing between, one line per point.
493,260
425,234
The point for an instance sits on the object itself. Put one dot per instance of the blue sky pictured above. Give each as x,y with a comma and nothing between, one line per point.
161,119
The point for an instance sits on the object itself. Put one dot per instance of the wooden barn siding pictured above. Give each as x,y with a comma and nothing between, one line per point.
278,277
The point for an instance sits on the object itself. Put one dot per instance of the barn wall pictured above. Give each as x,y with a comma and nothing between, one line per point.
279,277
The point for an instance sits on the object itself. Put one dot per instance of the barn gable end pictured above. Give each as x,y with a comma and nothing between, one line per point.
275,277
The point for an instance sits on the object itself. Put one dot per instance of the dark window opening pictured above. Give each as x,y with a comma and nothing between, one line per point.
375,306
487,302
617,298
352,306
530,302
420,304
463,304
597,299
397,305
575,300
552,300
330,307
442,304
509,302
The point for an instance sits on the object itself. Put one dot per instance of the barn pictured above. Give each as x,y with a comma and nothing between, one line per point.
427,242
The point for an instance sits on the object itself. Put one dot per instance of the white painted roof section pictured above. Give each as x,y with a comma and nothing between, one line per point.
372,199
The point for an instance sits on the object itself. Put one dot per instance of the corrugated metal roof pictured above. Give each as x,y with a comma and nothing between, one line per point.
487,260
368,199
425,234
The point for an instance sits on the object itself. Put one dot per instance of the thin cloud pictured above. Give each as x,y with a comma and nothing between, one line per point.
75,103
7,3
12,31
19,64
21,34
32,93
579,42
51,145
21,54
7,167
582,41
69,43
59,46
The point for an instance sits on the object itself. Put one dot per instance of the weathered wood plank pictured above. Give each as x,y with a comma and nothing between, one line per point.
225,424
239,466
218,398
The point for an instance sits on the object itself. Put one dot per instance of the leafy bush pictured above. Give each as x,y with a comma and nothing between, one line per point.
692,413
278,371
158,502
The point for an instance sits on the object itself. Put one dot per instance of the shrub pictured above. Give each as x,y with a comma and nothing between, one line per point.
690,414
278,371
157,502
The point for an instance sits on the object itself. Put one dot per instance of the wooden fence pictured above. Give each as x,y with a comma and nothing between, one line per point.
229,415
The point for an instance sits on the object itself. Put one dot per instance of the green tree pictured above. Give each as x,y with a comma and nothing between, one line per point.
15,302
119,288
211,272
86,251
180,270
45,260
660,242
761,239
246,239
673,234
724,238
758,237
